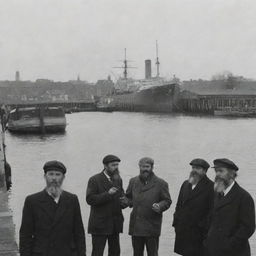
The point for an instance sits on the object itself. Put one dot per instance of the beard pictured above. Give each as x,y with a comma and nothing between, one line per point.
194,177
54,189
145,175
116,178
220,184
114,173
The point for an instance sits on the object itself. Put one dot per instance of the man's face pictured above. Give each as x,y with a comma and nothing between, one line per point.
54,179
223,179
196,174
145,170
112,168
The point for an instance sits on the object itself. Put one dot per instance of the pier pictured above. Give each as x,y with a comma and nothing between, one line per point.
207,102
73,106
8,245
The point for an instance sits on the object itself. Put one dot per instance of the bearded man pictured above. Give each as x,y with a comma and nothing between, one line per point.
232,220
104,195
51,220
149,196
192,210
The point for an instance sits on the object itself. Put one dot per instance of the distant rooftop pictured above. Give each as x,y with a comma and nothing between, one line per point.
220,87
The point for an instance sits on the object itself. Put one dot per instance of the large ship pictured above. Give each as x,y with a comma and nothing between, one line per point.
152,94
163,98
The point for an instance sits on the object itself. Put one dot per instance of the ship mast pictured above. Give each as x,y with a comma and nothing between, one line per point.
125,67
157,62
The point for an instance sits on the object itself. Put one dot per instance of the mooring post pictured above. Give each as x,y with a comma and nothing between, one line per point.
41,117
2,159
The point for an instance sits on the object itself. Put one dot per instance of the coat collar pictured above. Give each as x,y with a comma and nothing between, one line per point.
106,183
219,203
151,183
200,187
45,202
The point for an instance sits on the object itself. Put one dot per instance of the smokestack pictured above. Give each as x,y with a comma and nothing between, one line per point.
17,76
147,69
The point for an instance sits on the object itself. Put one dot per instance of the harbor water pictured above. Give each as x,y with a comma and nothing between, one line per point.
173,141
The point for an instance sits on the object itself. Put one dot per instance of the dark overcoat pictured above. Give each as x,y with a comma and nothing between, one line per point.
50,230
143,220
232,224
191,215
106,216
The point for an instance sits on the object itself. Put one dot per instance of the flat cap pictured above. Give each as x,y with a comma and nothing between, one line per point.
224,162
200,162
146,160
110,158
54,165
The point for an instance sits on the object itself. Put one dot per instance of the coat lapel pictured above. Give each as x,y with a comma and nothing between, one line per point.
105,181
200,187
149,185
45,204
219,203
62,207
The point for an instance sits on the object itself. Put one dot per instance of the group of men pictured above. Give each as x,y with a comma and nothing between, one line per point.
211,218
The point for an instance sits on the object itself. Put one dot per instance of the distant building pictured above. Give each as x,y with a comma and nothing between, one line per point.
45,90
17,76
104,87
207,96
44,81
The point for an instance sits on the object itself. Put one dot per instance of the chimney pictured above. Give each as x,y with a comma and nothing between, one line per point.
148,69
17,76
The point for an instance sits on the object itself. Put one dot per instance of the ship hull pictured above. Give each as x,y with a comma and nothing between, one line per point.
37,120
32,125
162,99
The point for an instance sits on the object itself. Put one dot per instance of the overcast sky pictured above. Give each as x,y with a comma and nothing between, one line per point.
59,39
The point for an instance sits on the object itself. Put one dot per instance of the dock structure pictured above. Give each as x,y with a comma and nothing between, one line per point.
207,102
8,245
74,106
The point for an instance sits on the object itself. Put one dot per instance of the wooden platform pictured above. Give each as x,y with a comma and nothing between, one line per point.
8,246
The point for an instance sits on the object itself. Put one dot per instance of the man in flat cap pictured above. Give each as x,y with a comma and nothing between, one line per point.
192,210
104,193
51,221
232,220
149,196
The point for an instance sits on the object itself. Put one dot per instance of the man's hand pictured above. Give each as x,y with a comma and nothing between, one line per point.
156,208
113,190
124,201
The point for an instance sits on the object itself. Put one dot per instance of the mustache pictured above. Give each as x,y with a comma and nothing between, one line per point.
220,179
194,173
54,184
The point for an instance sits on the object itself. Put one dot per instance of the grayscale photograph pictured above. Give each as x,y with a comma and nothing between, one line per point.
128,127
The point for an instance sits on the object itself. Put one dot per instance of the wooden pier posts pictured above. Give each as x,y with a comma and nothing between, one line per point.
8,246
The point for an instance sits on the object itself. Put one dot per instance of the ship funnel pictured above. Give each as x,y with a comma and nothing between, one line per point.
148,69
